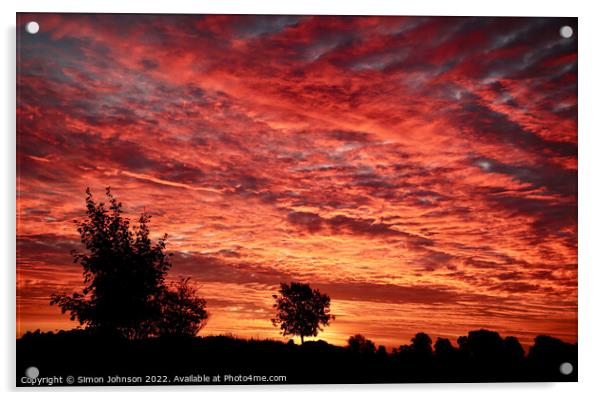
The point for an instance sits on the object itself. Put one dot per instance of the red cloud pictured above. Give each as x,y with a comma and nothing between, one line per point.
402,160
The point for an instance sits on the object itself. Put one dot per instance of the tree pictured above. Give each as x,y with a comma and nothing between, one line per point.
444,349
513,349
483,345
359,344
301,311
548,353
421,344
124,275
182,312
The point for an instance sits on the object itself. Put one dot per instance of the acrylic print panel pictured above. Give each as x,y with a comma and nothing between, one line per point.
345,199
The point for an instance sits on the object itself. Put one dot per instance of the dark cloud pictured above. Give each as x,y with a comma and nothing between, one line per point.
341,224
47,248
517,287
489,125
216,268
399,294
310,221
180,173
264,25
148,64
550,218
350,136
553,178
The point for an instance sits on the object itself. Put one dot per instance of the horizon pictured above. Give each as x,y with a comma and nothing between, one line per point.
420,171
296,341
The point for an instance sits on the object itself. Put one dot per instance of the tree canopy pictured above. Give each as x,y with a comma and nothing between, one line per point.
300,310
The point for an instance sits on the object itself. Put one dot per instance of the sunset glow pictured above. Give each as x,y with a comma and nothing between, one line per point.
421,171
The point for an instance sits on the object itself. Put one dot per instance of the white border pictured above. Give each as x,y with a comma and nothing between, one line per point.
590,131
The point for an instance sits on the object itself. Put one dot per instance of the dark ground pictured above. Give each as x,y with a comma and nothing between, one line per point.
158,361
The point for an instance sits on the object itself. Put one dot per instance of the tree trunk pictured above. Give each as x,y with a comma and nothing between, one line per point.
302,339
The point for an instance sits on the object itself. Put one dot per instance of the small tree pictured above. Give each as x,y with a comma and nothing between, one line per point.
301,311
359,344
182,312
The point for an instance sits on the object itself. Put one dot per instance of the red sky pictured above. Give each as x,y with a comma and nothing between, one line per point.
421,171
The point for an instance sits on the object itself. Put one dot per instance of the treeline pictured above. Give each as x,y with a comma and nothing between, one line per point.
481,356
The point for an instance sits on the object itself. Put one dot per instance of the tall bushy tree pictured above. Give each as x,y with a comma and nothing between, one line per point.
300,310
124,274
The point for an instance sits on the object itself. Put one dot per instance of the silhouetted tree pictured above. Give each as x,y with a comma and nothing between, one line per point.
447,359
359,344
182,312
547,348
513,349
488,356
124,276
404,349
548,353
484,346
421,344
444,349
300,310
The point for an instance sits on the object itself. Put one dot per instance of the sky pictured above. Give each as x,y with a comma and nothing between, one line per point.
421,171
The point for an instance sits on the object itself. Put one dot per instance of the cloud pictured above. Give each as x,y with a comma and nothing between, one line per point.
420,170
355,226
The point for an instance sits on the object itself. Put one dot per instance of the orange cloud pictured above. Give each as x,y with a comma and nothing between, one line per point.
419,170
